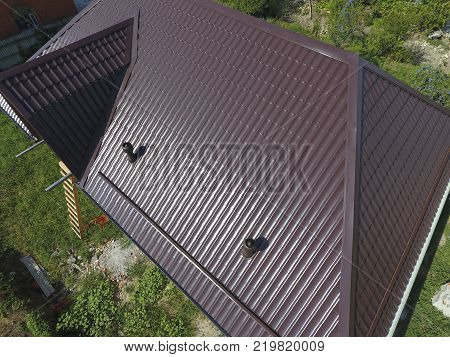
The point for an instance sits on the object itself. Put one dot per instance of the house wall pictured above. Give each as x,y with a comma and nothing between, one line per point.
47,11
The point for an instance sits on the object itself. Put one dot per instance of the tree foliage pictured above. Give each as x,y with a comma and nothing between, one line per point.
379,31
346,22
144,315
256,7
37,325
149,287
433,83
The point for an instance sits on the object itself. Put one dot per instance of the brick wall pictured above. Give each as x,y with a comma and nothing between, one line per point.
47,11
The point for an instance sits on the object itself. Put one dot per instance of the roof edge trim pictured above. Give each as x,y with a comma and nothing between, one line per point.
353,158
301,40
402,85
418,265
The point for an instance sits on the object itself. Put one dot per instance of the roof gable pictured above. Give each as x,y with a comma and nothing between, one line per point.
66,96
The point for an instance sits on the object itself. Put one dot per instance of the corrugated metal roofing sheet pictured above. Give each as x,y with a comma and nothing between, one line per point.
404,173
204,74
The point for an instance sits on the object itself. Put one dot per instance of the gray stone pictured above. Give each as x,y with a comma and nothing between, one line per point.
447,28
441,300
116,259
443,240
436,35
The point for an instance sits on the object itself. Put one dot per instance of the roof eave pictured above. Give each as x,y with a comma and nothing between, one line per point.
371,67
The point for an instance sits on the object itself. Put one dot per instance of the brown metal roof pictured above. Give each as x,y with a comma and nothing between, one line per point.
404,172
206,81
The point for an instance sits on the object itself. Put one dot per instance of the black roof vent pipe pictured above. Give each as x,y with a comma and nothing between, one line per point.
249,248
129,150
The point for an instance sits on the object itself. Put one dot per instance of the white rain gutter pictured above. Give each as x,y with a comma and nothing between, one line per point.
419,263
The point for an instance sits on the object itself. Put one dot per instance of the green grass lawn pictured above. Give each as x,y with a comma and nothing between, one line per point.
33,221
36,223
426,320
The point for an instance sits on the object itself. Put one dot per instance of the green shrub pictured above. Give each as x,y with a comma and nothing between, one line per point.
93,311
378,29
37,326
150,286
434,83
146,321
390,31
156,307
424,15
396,21
140,321
256,7
171,327
346,22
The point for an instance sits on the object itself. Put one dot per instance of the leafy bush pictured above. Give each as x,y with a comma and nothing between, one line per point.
145,321
424,15
397,21
171,327
433,83
156,307
379,30
390,31
37,326
256,7
93,311
140,321
149,287
9,301
346,22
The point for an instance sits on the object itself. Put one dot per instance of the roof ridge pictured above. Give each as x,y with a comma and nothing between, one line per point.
353,150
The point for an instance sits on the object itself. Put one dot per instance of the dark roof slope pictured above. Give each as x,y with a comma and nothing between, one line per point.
66,96
404,172
209,84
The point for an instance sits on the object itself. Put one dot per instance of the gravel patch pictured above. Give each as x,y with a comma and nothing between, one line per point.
436,56
441,300
204,327
116,259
